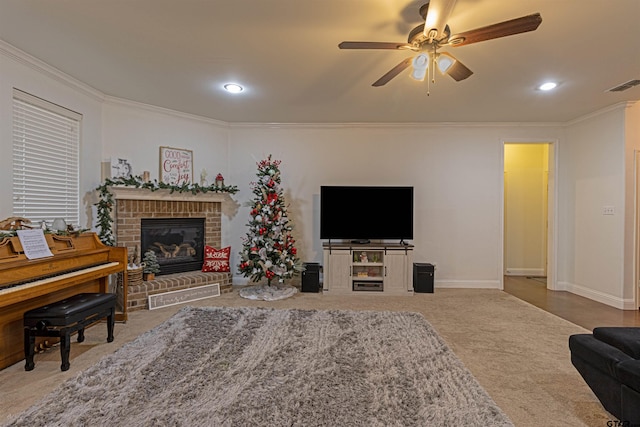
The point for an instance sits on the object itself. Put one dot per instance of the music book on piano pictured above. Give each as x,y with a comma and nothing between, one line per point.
34,243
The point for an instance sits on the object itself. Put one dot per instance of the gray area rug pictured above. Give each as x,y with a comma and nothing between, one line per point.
220,366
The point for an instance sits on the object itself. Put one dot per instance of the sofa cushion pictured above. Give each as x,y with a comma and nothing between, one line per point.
596,353
625,339
629,373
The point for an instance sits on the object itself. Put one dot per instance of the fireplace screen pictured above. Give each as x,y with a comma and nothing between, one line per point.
177,242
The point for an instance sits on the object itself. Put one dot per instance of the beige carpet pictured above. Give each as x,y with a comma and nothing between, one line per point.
516,351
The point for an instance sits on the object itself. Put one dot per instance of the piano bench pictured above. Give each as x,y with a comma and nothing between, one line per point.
62,318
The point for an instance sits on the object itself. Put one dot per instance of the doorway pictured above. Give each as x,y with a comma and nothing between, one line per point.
528,232
636,270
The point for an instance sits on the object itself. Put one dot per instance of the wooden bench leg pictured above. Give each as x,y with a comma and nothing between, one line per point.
65,348
29,349
111,320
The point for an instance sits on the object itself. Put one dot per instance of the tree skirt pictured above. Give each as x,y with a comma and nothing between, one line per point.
268,293
221,366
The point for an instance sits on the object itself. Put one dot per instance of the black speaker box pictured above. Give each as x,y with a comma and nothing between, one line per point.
311,277
423,275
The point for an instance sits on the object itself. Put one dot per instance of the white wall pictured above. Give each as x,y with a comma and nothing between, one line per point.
456,171
136,131
593,176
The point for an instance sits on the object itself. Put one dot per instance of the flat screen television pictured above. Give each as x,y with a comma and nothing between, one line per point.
363,213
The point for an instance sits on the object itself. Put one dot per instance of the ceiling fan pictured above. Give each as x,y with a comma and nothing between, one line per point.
434,34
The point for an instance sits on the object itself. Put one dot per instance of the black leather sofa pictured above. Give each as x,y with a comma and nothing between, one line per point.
609,362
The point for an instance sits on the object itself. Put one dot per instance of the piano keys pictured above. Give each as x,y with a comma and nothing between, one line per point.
79,264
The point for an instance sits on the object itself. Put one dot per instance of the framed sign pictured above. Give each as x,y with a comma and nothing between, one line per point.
120,168
176,166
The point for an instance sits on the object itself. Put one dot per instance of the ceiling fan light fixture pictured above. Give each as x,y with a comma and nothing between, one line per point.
420,64
445,62
434,34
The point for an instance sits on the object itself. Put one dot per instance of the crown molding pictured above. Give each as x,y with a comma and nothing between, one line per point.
618,106
409,125
161,110
42,67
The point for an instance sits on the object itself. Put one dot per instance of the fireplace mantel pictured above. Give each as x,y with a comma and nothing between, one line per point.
132,193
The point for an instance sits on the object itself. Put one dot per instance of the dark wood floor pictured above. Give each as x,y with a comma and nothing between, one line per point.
576,309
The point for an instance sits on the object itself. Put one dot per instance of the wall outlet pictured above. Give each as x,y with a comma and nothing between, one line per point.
608,210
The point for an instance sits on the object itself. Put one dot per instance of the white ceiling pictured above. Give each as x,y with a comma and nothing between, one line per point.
177,54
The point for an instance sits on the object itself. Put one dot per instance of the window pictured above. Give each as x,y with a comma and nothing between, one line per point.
46,143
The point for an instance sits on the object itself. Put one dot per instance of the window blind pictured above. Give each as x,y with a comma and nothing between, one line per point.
46,142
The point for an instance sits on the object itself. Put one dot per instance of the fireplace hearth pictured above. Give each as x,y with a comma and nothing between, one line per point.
177,242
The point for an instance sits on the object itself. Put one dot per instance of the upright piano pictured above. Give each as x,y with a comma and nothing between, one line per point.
80,263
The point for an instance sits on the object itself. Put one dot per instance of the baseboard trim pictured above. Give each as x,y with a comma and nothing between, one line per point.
524,272
601,297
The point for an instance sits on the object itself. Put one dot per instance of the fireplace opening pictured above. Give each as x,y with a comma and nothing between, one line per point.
177,242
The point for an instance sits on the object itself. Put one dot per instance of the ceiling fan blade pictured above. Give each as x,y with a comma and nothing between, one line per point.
458,71
373,45
393,72
438,12
501,29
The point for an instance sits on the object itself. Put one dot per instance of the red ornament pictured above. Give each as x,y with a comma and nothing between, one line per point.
271,197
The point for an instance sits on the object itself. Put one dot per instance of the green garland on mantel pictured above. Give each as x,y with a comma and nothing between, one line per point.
105,205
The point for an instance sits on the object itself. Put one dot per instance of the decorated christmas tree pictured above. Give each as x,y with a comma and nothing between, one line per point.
268,249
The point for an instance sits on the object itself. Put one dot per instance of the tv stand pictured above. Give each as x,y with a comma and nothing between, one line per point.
371,268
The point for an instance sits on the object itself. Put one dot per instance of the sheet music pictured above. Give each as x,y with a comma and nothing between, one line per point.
34,243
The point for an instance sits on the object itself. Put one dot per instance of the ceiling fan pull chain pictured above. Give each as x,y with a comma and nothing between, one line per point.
433,65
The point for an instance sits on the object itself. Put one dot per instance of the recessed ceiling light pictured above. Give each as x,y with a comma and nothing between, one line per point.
233,88
547,86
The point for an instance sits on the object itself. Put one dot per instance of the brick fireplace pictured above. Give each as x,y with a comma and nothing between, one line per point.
135,204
